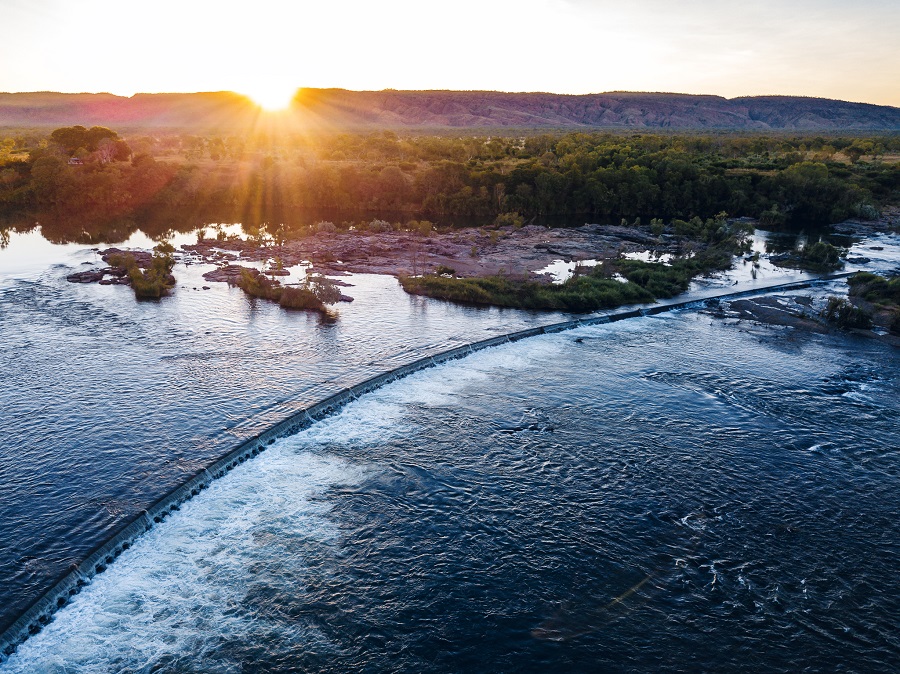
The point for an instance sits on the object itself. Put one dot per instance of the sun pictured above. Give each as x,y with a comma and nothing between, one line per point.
272,97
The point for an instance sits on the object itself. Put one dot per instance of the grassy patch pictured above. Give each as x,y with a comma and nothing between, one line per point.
663,281
582,293
644,282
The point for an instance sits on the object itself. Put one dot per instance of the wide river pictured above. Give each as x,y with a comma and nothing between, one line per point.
676,492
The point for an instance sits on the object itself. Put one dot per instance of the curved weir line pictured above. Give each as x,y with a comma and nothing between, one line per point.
78,575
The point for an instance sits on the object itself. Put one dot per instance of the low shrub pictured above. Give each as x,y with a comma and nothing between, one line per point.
865,211
314,294
325,227
514,220
379,226
256,285
420,227
299,298
845,316
820,256
875,289
156,280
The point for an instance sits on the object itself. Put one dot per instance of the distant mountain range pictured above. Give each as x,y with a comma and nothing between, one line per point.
342,109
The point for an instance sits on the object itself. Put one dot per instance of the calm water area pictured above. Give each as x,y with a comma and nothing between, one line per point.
676,492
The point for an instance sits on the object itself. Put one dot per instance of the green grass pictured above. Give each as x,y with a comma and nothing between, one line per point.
664,281
645,282
583,293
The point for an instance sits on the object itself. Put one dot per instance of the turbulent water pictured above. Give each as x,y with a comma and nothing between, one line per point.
675,492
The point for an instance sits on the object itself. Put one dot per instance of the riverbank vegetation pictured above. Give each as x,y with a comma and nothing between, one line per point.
872,301
880,296
583,293
451,181
844,315
609,284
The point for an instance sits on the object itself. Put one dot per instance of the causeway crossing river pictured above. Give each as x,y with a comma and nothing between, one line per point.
668,493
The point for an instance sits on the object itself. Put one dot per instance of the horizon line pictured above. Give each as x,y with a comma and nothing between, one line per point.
462,91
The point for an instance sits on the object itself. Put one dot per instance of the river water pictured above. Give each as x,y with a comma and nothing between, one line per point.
673,492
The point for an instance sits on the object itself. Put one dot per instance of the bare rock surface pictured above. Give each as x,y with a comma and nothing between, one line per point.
469,252
887,221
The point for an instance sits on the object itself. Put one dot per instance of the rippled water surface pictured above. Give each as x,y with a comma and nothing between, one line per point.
107,403
675,492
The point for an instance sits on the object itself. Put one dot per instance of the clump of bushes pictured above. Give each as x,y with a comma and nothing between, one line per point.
866,211
845,316
880,292
821,256
875,289
717,231
325,227
299,298
256,285
772,218
314,294
380,226
513,219
421,227
156,280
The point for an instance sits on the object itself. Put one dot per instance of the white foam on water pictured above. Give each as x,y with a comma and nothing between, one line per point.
179,591
442,385
375,417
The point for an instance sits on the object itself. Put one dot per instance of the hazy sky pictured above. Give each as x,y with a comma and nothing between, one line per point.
266,48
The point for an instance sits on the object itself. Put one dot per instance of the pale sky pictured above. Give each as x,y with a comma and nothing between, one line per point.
266,49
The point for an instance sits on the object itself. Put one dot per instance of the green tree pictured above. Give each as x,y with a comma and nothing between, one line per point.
48,175
70,138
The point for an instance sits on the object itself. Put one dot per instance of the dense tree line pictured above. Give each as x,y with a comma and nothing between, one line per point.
601,176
